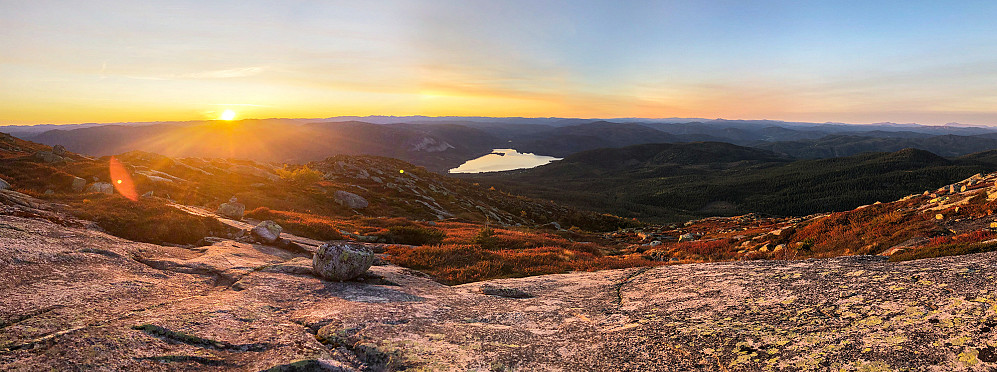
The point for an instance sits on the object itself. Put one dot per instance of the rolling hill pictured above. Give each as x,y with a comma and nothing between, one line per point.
675,182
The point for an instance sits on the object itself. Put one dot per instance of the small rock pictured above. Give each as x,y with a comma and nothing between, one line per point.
686,237
4,185
78,184
233,209
342,260
351,200
148,194
267,231
49,192
102,187
59,150
492,290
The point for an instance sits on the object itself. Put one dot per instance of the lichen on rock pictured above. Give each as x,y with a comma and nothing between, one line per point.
342,260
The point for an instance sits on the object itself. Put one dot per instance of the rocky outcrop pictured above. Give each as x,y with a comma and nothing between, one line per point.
233,209
48,157
78,184
341,261
102,187
59,150
351,200
237,306
802,315
267,231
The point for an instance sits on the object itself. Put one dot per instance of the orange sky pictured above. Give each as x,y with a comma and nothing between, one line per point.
119,61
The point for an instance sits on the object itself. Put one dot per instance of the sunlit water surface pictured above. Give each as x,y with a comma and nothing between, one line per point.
511,159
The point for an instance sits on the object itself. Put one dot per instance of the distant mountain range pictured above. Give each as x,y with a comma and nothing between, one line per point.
442,143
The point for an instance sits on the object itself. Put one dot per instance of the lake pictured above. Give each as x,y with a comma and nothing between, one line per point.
508,160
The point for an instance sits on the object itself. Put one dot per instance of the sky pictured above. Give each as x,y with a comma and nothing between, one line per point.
929,62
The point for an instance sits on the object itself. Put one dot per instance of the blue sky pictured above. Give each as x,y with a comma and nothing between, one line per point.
848,61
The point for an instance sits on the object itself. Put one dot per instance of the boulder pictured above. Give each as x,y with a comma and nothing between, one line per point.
78,184
233,209
686,237
351,200
59,150
48,157
4,185
103,187
267,231
342,260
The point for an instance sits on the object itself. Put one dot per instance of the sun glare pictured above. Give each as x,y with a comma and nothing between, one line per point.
228,115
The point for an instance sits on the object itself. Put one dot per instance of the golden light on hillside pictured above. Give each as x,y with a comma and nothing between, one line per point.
227,115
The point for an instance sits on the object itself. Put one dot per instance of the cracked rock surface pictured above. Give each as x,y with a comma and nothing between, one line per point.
77,299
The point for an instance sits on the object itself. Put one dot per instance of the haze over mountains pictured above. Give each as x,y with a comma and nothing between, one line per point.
446,142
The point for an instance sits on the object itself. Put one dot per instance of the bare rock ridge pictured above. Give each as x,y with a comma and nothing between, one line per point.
74,298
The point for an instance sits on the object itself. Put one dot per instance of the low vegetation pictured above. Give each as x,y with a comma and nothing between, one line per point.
414,235
303,224
302,176
145,220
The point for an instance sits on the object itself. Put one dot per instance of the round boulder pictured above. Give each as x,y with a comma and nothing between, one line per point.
233,209
267,231
351,200
78,184
342,260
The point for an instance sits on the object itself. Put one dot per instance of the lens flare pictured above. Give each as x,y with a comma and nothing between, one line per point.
122,180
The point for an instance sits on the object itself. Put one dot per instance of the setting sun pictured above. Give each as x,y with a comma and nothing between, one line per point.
227,115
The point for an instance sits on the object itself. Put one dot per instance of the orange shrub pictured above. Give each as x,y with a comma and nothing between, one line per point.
456,263
719,249
304,224
869,230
